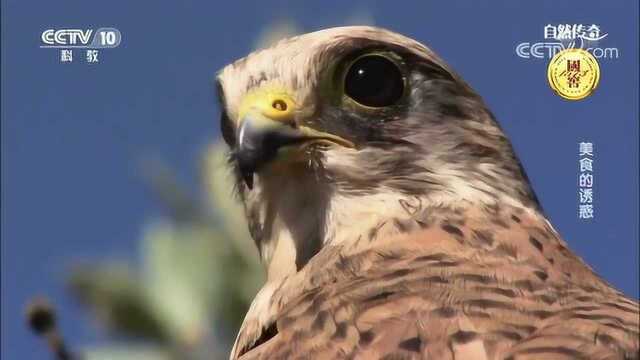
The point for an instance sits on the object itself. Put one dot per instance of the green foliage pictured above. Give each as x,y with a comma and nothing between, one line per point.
127,353
197,275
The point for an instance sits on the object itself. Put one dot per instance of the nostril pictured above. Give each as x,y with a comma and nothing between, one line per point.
279,105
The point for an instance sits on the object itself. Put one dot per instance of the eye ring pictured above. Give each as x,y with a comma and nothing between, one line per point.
374,80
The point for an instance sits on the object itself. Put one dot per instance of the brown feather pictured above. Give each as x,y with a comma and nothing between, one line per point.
430,295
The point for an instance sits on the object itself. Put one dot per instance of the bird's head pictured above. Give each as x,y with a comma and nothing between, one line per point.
338,132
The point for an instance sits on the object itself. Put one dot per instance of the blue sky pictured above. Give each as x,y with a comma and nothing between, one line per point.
73,134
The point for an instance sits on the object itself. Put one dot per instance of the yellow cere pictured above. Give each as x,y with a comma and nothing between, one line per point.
273,103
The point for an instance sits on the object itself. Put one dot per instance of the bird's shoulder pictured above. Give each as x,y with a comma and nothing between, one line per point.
454,289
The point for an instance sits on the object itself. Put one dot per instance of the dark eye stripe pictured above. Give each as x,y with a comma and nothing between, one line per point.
227,130
226,127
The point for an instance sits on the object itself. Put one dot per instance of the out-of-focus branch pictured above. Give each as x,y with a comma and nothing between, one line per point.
41,317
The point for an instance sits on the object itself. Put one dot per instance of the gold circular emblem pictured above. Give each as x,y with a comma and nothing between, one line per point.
573,73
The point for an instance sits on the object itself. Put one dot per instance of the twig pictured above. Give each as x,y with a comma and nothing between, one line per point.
41,317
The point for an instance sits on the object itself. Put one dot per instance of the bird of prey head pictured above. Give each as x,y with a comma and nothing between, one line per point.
332,132
354,134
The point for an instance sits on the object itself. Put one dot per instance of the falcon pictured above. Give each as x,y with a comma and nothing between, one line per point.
394,219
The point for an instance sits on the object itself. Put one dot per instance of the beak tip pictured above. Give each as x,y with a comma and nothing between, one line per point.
248,180
246,173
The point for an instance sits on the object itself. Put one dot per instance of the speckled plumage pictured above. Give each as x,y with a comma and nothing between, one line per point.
493,284
424,242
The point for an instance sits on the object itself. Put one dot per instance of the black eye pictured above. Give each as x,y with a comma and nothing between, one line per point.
375,81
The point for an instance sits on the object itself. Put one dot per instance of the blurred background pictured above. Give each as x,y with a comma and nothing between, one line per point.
116,204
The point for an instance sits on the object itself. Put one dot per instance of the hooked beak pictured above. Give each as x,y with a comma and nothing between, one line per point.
267,128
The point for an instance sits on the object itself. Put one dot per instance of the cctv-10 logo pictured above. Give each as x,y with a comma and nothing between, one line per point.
78,38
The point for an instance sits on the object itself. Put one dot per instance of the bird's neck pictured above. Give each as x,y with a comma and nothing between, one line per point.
360,239
300,226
